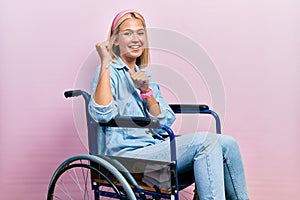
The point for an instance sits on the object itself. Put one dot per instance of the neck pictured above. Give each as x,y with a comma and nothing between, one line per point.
130,62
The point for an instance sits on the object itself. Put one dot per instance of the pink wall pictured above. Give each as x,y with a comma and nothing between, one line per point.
254,46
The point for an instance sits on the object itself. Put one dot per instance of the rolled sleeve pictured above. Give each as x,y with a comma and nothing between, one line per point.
102,113
165,117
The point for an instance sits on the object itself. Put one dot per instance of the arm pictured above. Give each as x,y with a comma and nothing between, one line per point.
101,106
157,103
103,94
152,104
166,116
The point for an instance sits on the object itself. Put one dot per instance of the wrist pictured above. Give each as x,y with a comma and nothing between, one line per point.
105,64
147,93
148,89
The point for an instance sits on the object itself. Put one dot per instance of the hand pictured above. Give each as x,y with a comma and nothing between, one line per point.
140,81
103,50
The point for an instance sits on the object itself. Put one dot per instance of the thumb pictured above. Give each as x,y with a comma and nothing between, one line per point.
131,71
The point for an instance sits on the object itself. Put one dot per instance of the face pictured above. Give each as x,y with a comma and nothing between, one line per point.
131,39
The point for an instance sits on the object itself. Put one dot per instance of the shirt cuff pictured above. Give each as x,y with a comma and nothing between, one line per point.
101,113
161,115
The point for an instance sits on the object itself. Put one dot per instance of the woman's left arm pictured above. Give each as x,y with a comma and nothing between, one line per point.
166,115
157,107
152,104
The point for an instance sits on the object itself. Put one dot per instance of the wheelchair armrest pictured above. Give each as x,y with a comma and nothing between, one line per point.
188,108
143,122
197,108
133,122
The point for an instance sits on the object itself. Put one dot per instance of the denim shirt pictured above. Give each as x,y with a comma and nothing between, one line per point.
126,102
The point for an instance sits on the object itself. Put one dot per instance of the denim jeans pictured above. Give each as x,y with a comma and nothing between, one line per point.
213,159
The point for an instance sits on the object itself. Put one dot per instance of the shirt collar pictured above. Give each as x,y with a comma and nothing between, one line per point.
120,65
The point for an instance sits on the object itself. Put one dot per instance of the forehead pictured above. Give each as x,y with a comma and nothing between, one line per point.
131,24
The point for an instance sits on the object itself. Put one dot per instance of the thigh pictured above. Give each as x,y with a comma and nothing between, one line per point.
186,148
191,145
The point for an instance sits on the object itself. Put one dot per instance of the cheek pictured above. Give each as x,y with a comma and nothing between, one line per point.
143,40
123,46
124,42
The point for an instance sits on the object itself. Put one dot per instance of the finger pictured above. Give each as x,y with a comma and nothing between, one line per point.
131,72
141,81
138,75
98,45
102,45
106,45
143,78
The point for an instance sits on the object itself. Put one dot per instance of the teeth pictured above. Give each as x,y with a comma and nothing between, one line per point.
135,46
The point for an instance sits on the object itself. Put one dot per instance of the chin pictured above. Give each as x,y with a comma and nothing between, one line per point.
135,54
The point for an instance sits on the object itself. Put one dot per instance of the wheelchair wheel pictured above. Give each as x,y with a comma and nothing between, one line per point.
82,177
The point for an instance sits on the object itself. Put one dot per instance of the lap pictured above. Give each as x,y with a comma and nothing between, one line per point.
186,145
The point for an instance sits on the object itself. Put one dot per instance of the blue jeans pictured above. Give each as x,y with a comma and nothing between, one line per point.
213,159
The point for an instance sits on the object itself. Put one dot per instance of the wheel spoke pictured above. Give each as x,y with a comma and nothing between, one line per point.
86,176
64,189
74,182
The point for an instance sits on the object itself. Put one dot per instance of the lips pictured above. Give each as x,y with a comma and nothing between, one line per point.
134,46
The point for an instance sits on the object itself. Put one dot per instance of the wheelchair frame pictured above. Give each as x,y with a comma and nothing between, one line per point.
114,165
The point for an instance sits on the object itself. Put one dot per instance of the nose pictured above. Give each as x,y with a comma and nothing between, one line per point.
135,37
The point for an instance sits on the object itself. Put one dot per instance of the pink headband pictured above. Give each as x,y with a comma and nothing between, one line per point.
121,14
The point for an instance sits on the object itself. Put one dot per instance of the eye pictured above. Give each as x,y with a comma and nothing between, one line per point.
141,33
127,33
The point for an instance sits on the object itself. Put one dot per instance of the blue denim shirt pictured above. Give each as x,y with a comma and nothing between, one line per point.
126,102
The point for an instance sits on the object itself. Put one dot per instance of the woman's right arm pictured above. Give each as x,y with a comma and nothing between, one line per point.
103,95
102,107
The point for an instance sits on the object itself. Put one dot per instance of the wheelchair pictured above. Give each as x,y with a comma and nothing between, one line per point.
94,176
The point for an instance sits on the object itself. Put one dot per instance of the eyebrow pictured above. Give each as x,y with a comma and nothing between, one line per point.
128,29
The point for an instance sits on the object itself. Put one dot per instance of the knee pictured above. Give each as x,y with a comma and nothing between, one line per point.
228,141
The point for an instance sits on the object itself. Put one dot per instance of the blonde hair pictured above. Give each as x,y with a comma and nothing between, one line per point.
141,61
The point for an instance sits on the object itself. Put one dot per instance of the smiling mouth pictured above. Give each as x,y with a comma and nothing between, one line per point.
135,46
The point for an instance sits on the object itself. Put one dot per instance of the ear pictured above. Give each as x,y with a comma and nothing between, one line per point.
116,43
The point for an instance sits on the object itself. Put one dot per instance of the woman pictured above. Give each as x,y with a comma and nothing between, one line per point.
122,87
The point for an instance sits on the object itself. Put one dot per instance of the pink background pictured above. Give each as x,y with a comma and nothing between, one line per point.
255,46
